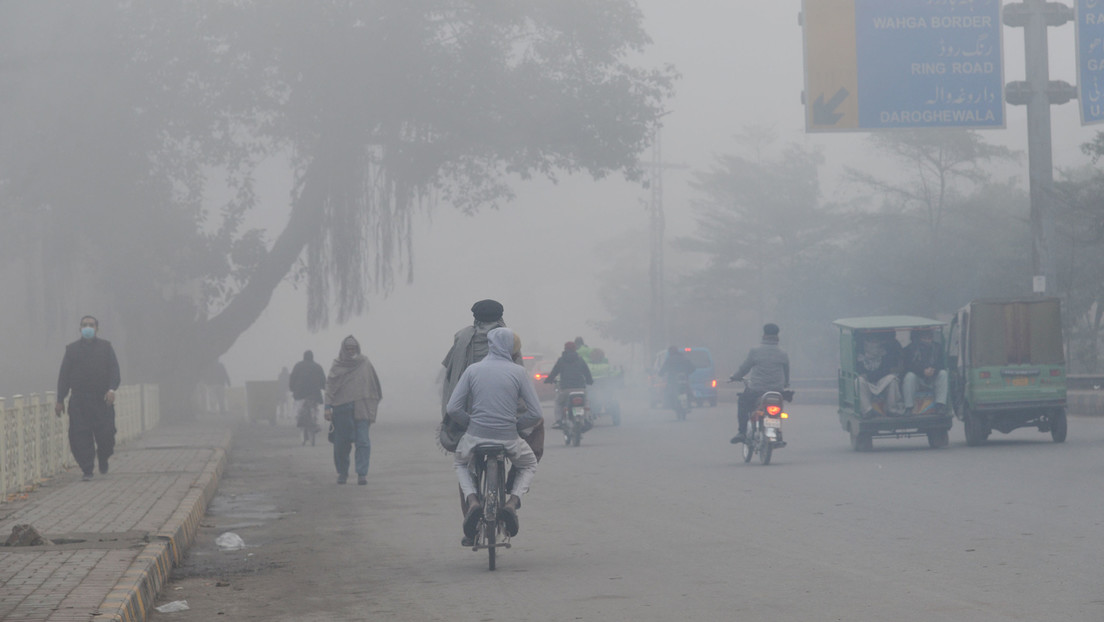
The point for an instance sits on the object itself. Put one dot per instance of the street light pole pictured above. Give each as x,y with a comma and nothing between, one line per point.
1038,93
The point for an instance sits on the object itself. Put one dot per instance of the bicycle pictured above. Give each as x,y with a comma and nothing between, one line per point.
489,469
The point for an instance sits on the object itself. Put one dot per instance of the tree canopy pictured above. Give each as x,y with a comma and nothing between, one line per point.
116,115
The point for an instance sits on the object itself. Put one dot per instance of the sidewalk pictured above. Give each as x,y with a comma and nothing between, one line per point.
117,537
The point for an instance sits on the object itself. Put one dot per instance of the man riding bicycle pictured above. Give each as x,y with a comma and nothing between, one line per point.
485,401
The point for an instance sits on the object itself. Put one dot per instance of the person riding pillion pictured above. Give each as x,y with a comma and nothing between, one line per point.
573,373
767,368
485,402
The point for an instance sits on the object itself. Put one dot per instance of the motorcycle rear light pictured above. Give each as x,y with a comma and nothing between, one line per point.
983,375
773,410
537,376
714,383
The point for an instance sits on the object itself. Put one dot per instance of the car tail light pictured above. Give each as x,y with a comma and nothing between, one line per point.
537,376
687,349
774,410
577,401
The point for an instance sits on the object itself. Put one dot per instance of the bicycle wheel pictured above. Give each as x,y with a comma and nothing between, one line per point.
492,490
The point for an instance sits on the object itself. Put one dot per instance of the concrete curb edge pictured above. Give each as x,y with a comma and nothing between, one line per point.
134,594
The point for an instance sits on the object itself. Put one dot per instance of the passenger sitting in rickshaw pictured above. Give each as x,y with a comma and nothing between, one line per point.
924,370
878,365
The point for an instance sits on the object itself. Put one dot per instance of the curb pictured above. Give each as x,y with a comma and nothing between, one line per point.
136,591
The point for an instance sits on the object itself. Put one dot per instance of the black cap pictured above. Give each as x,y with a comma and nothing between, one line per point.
770,329
487,310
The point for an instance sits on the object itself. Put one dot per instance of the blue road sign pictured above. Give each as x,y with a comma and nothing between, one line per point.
917,64
1090,60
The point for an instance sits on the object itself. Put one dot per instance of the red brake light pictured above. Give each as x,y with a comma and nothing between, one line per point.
714,383
983,375
537,376
687,349
773,410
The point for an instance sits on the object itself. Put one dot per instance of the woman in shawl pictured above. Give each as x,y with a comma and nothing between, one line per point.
352,397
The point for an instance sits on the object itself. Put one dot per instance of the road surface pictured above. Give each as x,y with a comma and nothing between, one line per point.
661,520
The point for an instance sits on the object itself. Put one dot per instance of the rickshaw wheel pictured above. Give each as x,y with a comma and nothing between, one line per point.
1058,426
861,441
938,438
975,427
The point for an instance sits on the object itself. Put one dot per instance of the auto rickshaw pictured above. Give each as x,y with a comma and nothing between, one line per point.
882,419
1008,367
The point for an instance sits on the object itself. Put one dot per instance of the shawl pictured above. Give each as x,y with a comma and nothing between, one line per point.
353,379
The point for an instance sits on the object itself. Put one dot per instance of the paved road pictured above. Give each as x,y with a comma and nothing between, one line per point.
661,520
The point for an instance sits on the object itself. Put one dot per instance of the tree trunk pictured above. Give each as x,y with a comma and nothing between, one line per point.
204,342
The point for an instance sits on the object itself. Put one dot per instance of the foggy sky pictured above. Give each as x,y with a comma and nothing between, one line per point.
741,64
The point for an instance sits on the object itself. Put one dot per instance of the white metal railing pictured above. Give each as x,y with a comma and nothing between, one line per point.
34,443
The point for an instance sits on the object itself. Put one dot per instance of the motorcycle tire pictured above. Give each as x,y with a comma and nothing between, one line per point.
749,448
765,450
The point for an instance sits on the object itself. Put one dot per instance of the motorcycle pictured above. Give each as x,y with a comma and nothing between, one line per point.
576,417
765,426
681,397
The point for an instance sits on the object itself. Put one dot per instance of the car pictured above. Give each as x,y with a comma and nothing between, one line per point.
703,380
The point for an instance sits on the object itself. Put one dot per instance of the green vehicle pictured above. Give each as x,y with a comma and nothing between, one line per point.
882,419
1008,367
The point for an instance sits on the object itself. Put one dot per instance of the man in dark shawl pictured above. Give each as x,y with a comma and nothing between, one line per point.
91,371
352,397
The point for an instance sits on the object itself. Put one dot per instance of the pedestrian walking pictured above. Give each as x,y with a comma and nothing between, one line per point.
307,382
352,397
90,370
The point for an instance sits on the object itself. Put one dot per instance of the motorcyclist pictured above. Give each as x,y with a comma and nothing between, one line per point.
767,368
574,374
675,365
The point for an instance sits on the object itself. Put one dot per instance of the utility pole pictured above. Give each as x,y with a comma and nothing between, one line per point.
1038,93
657,309
657,316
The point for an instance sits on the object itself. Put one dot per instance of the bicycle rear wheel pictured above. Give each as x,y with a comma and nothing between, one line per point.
492,496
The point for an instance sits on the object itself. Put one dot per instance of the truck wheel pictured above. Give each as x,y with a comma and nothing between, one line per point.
1058,426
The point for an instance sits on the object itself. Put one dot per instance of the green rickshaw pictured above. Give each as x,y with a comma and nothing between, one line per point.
1008,367
886,416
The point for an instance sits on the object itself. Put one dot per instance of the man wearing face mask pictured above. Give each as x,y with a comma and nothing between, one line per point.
91,371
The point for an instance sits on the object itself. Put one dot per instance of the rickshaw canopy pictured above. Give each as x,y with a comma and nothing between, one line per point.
886,322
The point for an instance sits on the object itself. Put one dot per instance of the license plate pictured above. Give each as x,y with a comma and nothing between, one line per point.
772,423
579,411
1021,382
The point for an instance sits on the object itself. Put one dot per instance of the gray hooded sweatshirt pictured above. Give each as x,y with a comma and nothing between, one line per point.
494,386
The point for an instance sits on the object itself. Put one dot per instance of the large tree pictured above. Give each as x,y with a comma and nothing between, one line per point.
386,107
